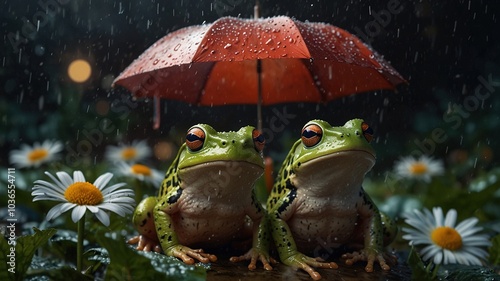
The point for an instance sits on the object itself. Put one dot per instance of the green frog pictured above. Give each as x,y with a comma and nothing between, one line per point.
318,205
207,198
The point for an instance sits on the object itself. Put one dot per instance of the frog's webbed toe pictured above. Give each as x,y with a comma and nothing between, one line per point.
189,256
307,263
370,257
145,244
255,255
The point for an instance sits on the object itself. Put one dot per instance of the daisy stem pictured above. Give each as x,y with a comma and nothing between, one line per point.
435,271
79,246
138,190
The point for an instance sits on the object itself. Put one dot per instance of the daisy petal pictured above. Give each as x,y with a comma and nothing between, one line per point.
65,179
103,217
78,176
451,218
78,213
58,209
103,180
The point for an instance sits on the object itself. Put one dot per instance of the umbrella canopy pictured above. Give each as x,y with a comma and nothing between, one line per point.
253,61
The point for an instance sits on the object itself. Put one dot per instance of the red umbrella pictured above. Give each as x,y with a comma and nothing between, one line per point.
257,61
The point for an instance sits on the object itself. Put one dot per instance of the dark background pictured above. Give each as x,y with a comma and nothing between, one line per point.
440,47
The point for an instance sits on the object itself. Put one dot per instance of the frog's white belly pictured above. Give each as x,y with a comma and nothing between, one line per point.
214,208
211,223
324,222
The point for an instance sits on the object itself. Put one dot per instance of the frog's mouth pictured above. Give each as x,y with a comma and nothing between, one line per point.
217,177
340,169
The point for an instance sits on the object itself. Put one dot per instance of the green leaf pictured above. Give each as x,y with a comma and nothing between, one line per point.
468,202
468,273
6,268
61,273
495,250
418,269
24,250
129,264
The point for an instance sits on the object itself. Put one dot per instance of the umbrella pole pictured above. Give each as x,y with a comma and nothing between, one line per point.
156,113
256,15
259,98
256,10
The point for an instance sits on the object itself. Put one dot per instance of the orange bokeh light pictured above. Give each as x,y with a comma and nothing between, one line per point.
79,70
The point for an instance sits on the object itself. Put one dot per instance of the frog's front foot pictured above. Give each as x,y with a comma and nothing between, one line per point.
306,263
145,244
188,255
255,255
370,257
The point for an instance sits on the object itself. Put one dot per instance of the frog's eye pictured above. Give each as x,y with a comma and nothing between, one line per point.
367,131
311,135
195,138
258,140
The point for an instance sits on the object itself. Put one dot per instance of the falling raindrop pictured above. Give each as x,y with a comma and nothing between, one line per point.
39,50
120,8
41,101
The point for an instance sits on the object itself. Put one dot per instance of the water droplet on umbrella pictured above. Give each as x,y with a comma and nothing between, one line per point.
269,41
228,45
176,48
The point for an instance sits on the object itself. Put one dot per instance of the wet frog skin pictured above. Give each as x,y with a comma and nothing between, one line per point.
318,202
206,198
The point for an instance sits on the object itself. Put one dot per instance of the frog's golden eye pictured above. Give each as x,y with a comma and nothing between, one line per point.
311,135
367,131
258,140
195,138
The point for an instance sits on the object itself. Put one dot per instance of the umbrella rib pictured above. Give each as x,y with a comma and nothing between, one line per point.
199,97
317,86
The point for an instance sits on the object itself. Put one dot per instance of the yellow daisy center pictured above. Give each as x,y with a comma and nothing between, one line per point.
129,153
83,193
37,154
139,169
418,168
447,238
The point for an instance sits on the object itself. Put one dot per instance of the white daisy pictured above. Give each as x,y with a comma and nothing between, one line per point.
444,242
134,152
77,194
422,168
34,156
140,172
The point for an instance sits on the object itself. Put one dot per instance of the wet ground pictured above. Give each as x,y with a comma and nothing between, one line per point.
224,270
